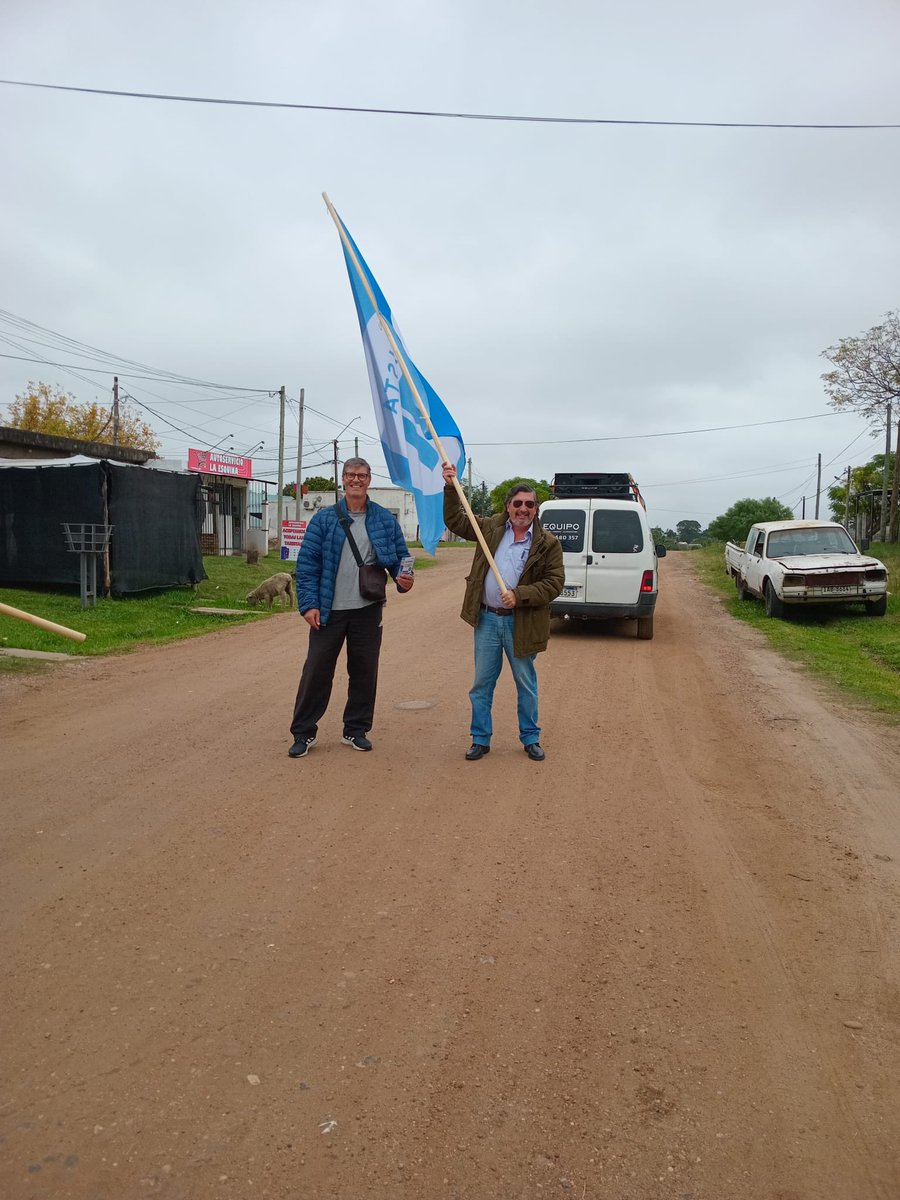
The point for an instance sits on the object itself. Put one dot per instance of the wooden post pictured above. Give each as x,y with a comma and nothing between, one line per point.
41,623
280,516
885,516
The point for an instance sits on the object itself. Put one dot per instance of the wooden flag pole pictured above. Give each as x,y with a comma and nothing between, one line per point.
389,334
50,626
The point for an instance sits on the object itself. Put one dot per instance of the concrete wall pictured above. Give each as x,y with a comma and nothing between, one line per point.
23,443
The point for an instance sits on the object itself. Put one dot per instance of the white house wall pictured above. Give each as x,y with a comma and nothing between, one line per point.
402,504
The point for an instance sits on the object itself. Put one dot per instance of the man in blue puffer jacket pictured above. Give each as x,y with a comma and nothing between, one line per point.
335,610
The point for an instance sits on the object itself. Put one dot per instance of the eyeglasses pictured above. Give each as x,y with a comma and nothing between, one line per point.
355,475
526,503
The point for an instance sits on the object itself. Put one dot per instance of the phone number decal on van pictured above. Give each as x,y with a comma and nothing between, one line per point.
567,525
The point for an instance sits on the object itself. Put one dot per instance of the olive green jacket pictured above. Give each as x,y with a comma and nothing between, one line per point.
541,580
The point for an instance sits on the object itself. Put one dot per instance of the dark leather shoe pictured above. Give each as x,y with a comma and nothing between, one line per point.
475,752
535,753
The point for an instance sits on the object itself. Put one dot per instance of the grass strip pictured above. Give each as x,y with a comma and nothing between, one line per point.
859,655
116,625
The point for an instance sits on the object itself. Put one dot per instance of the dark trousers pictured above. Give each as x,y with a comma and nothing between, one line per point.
360,628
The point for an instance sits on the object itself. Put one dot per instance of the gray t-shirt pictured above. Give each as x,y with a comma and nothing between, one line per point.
346,585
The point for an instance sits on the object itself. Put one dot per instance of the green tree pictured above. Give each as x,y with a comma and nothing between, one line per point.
688,531
498,494
43,408
865,378
319,483
734,525
864,481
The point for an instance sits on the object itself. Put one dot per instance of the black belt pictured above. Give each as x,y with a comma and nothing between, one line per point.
498,612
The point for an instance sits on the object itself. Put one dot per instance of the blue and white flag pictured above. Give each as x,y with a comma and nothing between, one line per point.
413,461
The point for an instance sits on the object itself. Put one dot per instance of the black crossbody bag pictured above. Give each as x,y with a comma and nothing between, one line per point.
372,578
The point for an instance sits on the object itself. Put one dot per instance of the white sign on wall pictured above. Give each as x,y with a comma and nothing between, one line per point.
292,534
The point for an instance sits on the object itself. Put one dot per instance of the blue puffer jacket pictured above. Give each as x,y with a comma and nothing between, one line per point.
320,554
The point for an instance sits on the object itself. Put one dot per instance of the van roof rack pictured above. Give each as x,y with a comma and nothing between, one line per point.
605,485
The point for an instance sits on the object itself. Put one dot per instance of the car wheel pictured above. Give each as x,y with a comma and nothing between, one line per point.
645,628
774,606
876,608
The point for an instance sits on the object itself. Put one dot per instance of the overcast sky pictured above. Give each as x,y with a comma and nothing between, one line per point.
558,284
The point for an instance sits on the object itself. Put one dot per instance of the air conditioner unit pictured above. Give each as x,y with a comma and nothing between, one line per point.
306,504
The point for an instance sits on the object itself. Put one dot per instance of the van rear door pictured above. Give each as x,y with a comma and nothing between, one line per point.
616,553
568,522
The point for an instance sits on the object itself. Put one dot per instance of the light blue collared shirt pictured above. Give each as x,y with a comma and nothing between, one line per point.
510,558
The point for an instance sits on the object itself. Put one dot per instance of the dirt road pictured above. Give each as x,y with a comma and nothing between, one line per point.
664,963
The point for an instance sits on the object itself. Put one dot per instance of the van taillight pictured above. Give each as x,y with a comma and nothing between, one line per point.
647,582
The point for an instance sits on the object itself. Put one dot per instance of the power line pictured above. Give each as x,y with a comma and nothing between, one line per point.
627,437
158,377
198,430
799,489
80,349
751,473
430,113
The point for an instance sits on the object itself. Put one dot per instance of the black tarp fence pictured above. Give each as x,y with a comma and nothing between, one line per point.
155,517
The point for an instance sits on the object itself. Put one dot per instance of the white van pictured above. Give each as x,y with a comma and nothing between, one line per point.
608,551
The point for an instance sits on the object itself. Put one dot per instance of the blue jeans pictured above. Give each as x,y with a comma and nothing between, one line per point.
493,639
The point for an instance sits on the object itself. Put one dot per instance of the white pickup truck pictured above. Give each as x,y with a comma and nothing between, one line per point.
797,563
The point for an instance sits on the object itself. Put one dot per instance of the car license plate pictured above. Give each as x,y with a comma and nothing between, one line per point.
570,591
839,587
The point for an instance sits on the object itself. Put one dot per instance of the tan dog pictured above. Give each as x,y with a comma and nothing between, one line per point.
269,589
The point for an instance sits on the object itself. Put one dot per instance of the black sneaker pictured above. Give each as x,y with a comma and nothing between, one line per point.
301,747
357,741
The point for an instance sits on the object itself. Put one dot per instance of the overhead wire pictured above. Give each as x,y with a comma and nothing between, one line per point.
80,349
800,488
445,115
122,366
749,473
135,375
627,437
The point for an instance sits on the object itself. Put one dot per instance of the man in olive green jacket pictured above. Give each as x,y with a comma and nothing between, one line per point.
514,622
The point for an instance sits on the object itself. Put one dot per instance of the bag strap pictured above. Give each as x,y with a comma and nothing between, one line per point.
346,526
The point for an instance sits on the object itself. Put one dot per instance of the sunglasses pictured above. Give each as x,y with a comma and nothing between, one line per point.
520,503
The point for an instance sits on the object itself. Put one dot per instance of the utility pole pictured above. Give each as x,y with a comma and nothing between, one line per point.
115,411
356,447
818,484
847,504
896,488
335,471
469,465
803,508
281,399
299,456
884,484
